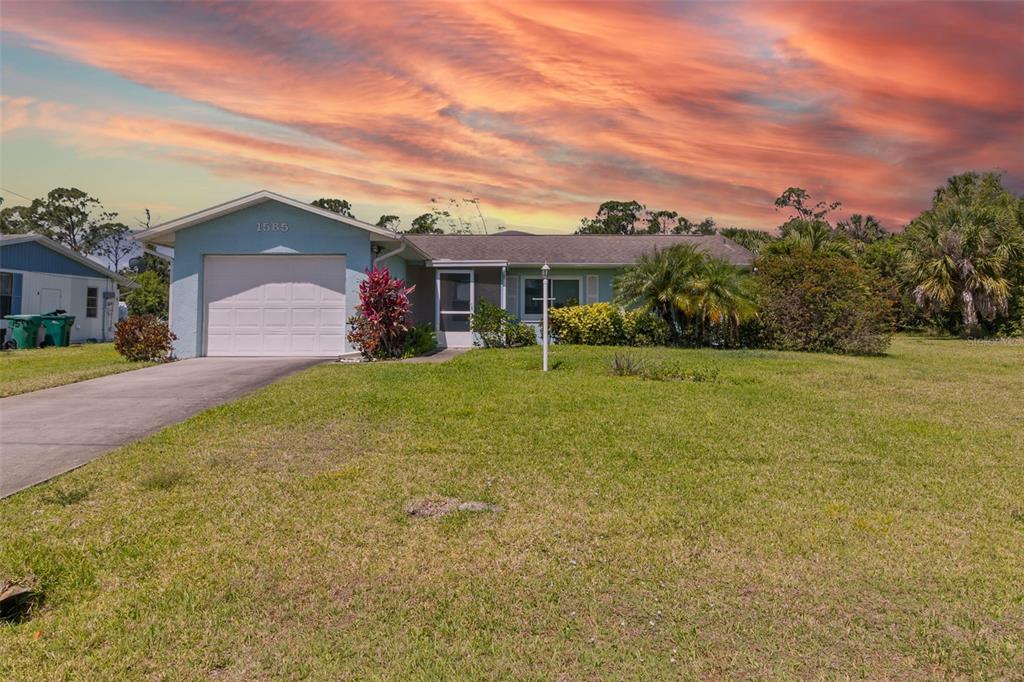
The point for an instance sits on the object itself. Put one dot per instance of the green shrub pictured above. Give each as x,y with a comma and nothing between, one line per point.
606,324
149,297
419,340
497,328
143,338
518,334
596,324
816,302
641,328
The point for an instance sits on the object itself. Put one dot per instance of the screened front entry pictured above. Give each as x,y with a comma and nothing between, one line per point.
455,297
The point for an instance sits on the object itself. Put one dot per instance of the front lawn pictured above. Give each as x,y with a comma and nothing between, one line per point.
31,369
803,516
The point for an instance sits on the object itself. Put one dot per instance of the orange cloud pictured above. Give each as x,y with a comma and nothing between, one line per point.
545,109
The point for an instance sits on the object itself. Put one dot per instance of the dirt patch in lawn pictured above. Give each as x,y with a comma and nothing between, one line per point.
432,508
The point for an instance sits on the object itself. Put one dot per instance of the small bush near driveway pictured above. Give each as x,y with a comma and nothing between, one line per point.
143,338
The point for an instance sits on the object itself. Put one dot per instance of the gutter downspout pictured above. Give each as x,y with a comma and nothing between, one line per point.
389,254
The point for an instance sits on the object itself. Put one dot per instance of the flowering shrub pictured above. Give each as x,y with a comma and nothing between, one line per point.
143,338
380,328
497,328
606,324
597,324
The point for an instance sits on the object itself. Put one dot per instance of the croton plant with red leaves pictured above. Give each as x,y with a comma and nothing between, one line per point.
379,330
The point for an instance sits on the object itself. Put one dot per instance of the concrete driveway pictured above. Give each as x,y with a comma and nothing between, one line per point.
48,432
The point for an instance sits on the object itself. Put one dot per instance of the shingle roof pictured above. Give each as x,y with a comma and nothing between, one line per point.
570,249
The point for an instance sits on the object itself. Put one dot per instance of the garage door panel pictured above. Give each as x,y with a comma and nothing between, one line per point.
246,317
277,291
332,317
305,318
243,343
331,340
276,318
275,305
307,293
305,344
276,344
221,317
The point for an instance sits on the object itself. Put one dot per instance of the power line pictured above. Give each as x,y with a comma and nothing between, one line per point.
10,192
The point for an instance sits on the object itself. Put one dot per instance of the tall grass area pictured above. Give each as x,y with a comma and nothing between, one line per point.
799,516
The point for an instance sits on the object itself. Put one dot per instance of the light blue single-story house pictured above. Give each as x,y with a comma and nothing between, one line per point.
39,275
269,275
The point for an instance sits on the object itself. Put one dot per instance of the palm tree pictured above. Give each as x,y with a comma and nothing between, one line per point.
721,298
661,282
816,236
862,228
684,287
957,256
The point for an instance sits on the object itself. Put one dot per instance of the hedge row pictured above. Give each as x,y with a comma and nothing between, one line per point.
605,324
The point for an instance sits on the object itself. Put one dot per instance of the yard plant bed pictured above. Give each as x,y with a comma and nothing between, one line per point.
801,516
32,369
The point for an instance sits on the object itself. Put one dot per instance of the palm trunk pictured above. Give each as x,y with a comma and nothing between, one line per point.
968,312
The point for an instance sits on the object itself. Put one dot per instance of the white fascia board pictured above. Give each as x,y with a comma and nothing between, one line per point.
448,263
556,264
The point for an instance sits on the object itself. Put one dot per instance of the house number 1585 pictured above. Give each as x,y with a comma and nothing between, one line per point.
271,227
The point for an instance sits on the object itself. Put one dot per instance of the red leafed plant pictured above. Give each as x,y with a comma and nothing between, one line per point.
379,330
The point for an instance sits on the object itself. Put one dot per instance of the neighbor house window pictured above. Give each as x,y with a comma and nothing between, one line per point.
6,293
91,295
565,292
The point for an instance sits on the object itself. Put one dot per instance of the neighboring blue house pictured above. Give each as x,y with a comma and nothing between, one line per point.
38,275
269,275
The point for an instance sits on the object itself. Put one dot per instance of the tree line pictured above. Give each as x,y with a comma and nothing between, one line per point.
957,267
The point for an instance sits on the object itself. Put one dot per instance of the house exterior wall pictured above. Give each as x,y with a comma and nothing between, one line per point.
238,234
423,298
67,292
605,289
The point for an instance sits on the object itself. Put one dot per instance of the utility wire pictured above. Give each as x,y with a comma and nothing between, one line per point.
4,189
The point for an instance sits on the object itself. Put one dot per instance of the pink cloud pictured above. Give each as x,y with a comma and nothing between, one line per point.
551,108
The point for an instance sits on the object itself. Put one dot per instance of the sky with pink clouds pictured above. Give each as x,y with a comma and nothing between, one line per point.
541,110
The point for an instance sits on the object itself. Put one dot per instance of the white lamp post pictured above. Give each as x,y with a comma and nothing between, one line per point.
544,271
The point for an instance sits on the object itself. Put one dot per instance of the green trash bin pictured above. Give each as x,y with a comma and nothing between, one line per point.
24,329
57,328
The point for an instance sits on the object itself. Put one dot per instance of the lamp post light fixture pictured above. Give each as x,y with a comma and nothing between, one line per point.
544,271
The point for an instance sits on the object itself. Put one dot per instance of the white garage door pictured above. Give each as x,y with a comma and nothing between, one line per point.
274,305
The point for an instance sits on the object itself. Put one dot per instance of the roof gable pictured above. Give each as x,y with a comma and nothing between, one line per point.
164,232
35,253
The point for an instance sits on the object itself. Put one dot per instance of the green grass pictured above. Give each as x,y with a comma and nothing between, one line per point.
800,516
27,370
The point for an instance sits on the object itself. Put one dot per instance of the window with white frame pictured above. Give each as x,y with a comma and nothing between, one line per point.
564,292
